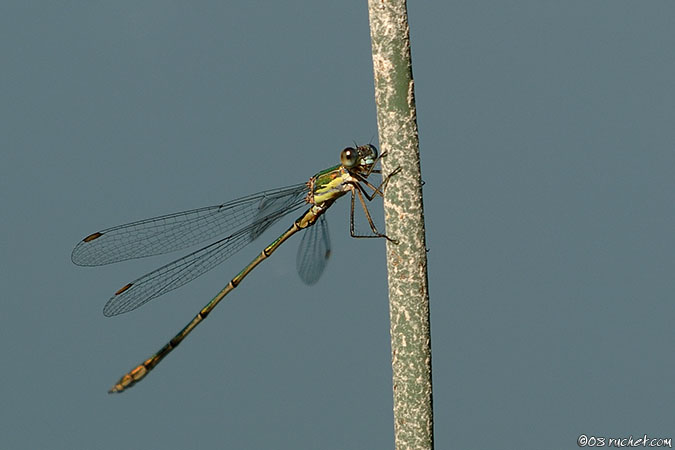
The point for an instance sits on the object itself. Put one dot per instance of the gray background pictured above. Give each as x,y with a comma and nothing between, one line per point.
547,141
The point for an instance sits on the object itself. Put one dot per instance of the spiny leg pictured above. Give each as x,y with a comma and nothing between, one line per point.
357,188
379,190
372,168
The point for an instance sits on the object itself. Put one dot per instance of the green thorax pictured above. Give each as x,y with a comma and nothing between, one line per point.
328,185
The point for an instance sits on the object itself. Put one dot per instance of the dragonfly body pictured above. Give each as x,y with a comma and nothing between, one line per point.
140,371
260,211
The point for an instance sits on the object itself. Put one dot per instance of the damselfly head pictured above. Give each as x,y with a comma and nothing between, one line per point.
368,154
359,159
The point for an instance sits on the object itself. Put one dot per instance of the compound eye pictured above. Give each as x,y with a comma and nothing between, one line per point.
373,151
349,157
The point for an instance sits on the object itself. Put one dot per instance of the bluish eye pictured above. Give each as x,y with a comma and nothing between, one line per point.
349,157
373,149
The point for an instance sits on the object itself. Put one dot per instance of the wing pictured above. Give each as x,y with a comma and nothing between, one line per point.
189,267
176,231
313,252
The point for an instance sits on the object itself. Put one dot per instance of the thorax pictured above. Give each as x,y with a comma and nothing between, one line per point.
329,185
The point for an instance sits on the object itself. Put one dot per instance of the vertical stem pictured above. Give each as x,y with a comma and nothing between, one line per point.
404,216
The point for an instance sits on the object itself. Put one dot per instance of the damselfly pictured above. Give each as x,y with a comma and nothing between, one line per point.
242,221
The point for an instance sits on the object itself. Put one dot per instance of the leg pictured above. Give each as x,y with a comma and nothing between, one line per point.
356,190
376,190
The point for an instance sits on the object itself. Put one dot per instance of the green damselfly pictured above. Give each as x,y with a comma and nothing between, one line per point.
242,220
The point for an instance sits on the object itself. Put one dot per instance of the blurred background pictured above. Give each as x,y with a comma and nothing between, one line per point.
547,143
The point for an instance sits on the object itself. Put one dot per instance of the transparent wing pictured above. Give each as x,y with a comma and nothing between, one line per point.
189,267
313,252
177,231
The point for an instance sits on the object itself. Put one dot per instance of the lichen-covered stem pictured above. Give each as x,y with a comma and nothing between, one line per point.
404,217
